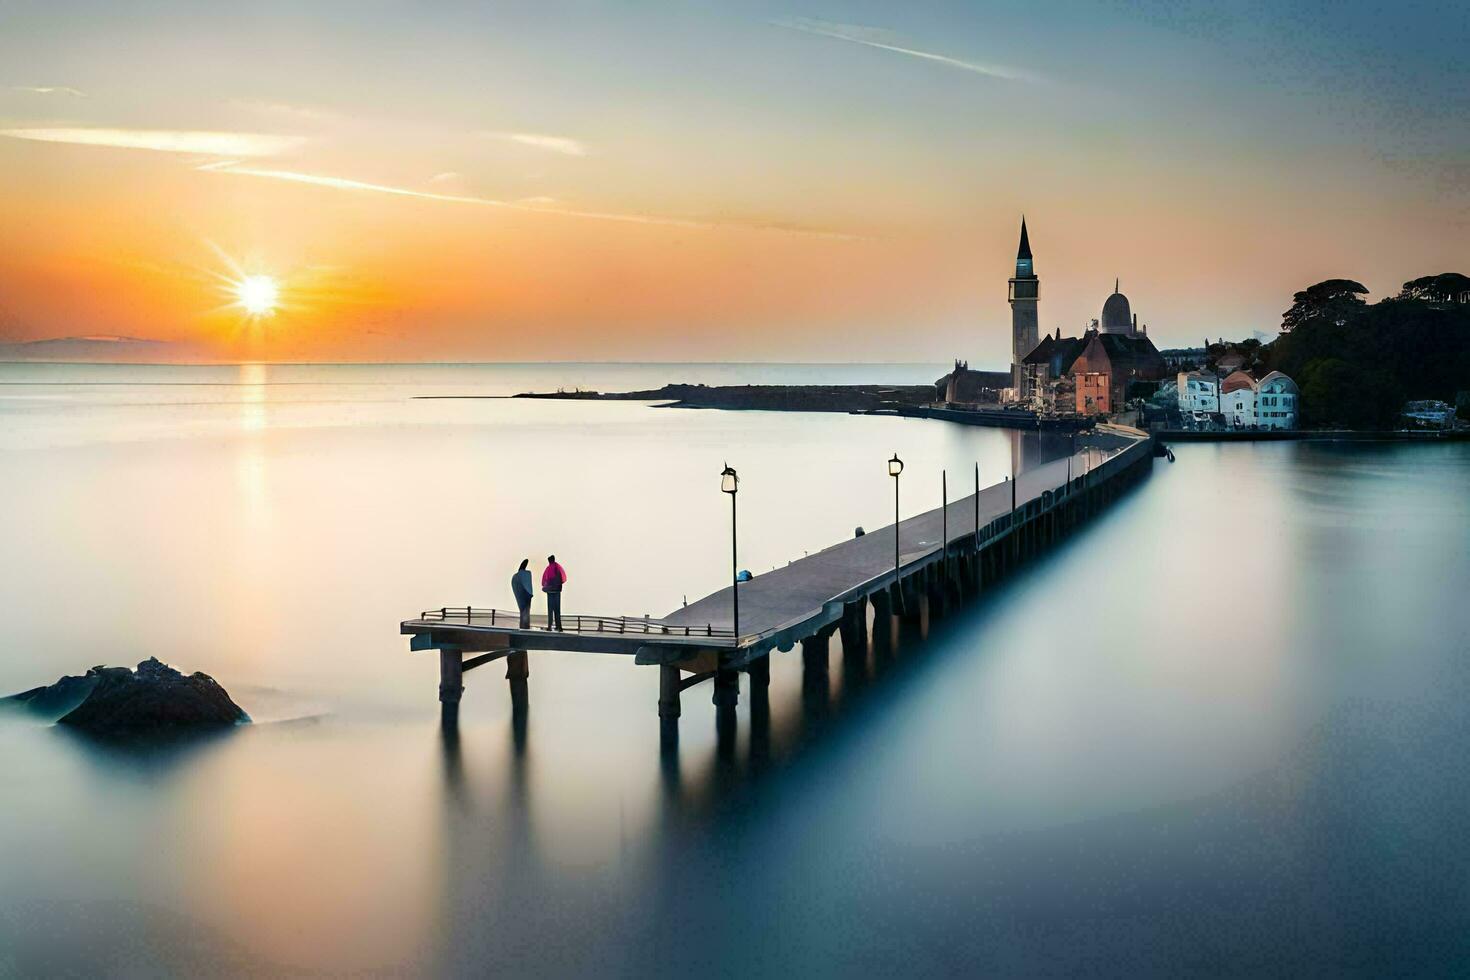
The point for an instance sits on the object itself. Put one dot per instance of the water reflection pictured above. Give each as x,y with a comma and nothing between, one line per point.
774,726
149,756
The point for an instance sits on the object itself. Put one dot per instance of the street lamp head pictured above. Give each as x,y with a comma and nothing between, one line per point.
729,482
895,466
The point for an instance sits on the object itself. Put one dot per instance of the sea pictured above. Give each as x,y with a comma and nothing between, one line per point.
1221,729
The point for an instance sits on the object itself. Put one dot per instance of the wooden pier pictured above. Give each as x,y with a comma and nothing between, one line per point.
944,556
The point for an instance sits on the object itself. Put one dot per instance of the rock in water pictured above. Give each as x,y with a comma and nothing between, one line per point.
155,697
56,699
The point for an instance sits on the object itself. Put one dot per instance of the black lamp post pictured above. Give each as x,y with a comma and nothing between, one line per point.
730,483
895,467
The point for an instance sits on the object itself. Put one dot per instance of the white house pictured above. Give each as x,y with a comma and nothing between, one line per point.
1276,402
1198,393
1239,400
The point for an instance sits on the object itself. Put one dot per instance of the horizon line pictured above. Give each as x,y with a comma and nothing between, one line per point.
634,363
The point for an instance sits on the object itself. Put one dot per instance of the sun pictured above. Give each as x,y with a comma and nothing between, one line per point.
258,295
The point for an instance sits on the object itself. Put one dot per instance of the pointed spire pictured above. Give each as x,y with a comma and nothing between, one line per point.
1115,286
1024,252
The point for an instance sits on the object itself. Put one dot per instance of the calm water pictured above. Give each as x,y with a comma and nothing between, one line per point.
1223,726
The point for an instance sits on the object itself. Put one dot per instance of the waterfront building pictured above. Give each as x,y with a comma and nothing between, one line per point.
1023,295
1046,368
1046,372
1238,400
1094,392
1276,402
1123,357
1199,393
964,386
1114,347
1271,403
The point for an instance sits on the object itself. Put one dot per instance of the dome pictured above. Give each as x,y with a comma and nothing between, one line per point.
1278,382
1117,315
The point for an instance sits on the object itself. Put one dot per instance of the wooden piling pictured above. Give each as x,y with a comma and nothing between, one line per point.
854,627
727,688
451,675
814,650
882,602
759,671
668,691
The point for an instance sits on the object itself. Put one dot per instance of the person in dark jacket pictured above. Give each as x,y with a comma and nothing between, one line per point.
551,582
520,584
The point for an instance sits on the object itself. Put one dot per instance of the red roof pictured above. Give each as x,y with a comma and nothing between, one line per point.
1236,381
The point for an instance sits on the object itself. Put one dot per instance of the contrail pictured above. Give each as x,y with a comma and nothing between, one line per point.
865,36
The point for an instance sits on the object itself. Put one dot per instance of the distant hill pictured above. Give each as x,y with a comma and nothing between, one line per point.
89,348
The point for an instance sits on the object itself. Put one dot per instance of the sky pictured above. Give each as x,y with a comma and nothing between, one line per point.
754,182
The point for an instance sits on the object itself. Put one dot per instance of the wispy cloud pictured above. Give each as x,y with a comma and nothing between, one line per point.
887,41
555,144
51,90
540,205
445,177
165,140
344,183
284,110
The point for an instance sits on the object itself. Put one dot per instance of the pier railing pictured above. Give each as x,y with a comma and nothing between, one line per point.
574,623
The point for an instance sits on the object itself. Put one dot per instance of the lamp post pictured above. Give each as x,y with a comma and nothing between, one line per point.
895,467
730,483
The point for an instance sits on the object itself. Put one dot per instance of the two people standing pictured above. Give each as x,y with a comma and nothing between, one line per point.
552,580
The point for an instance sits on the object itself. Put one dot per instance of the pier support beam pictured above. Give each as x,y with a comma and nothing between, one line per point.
814,650
727,688
909,591
759,671
726,697
451,683
668,692
935,587
815,684
854,628
882,601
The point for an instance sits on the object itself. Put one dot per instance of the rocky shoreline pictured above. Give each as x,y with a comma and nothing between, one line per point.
770,398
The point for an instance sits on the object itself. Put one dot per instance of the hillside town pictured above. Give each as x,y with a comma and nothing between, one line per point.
1113,369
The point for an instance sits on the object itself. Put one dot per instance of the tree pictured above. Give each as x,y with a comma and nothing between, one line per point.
1254,354
1333,300
1337,394
1358,371
1447,287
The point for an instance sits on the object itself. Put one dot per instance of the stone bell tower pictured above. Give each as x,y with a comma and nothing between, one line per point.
1025,291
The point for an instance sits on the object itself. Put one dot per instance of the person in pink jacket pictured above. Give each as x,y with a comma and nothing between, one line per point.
551,582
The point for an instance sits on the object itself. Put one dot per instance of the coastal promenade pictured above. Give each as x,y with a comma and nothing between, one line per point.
944,555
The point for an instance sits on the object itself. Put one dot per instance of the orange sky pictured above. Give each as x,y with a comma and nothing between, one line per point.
719,187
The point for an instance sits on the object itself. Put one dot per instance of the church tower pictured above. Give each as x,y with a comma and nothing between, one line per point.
1024,292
